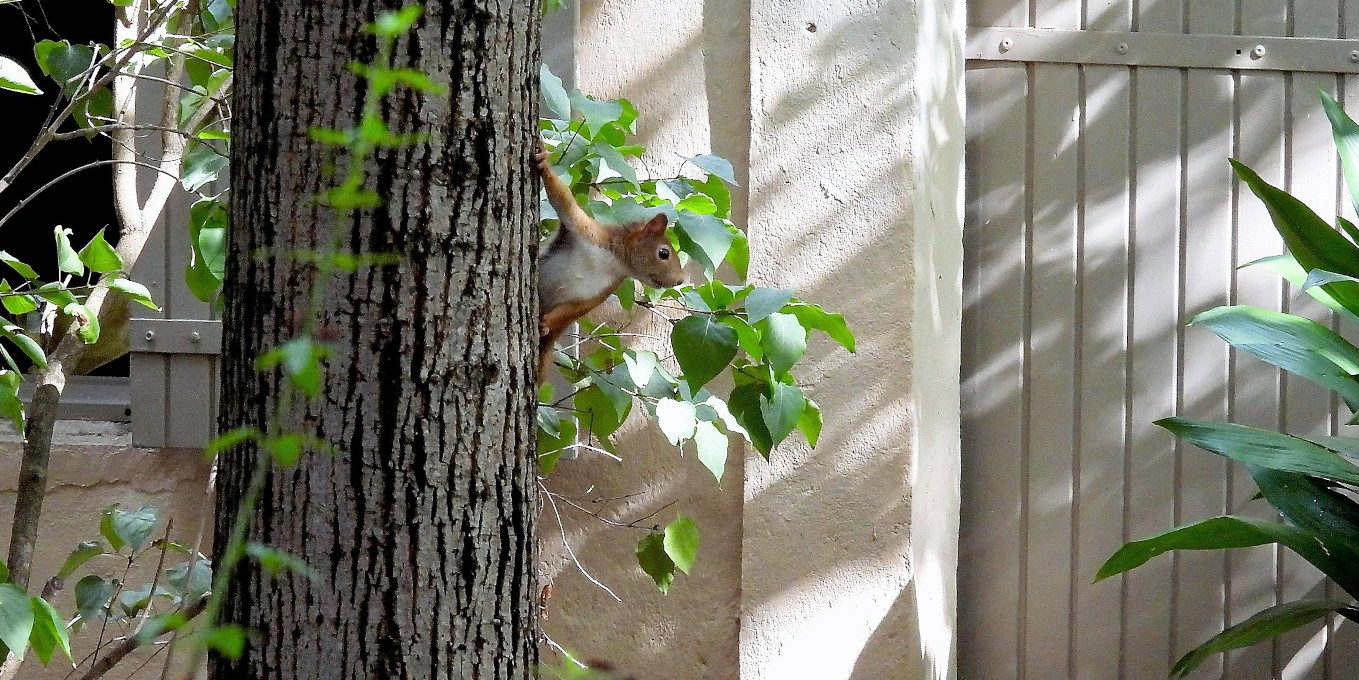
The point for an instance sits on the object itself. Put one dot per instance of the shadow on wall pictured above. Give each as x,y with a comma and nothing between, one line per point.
1091,239
811,565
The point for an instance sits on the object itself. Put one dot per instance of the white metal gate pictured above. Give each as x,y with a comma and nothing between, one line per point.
1102,214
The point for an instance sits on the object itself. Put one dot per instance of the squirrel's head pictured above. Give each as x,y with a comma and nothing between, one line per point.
651,257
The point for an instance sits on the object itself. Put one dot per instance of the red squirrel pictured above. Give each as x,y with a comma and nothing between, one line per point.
585,261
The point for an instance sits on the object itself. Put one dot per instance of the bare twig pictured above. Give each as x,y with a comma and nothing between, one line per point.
129,644
553,504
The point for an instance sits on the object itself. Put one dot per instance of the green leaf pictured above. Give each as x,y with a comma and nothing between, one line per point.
230,439
744,403
782,411
703,348
274,561
1297,345
87,323
132,289
14,77
1321,277
716,165
92,595
10,405
1217,533
78,557
390,24
207,238
190,580
1265,625
17,265
810,423
614,161
705,237
676,419
1264,448
651,556
30,347
16,618
762,302
712,448
228,640
1346,135
68,260
554,93
57,294
597,412
1290,270
49,631
784,341
1312,242
15,303
301,361
1330,518
64,62
681,543
99,256
285,448
813,316
129,528
597,114
202,165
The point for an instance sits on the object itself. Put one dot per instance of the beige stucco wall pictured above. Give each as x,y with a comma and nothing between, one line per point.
94,466
844,122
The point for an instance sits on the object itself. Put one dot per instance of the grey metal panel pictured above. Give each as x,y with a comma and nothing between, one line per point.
1061,461
148,372
990,545
1258,52
175,336
89,397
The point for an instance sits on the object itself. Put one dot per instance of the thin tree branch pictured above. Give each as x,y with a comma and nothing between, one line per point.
129,644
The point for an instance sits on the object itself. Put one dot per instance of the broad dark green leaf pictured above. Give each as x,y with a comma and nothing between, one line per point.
228,640
1218,533
681,542
1265,625
1298,345
100,256
64,62
596,113
554,93
596,412
782,410
651,556
49,631
1312,242
784,341
1328,516
202,165
207,239
744,403
1264,448
1346,135
92,594
17,304
703,348
16,618
14,77
1349,228
78,557
190,580
133,528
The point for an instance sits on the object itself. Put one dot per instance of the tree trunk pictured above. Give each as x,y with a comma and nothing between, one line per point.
422,524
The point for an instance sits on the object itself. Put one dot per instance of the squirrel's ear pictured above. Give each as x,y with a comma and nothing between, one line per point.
655,226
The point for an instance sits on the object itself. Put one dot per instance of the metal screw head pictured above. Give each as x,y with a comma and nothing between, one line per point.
196,336
1121,48
150,335
1354,56
1006,44
1258,51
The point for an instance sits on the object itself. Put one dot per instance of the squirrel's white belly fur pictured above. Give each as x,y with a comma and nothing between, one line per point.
575,269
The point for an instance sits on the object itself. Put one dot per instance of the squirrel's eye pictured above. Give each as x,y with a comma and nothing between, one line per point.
663,253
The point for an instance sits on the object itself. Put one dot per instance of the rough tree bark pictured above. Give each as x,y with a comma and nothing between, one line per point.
422,525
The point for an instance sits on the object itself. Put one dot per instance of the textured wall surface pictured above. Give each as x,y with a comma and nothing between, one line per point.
838,562
93,467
